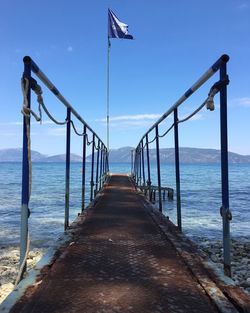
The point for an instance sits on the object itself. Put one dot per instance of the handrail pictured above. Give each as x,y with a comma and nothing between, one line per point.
101,164
138,166
209,73
36,70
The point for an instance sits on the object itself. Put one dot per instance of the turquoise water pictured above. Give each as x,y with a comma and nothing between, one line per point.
200,193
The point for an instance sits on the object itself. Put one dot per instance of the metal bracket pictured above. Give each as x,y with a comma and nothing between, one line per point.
226,213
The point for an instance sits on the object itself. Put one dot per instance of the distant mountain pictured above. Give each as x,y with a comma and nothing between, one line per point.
62,158
187,155
123,155
197,155
15,155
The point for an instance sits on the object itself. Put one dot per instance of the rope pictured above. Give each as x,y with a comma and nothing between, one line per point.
186,118
21,269
26,112
89,142
152,140
167,131
196,111
40,100
75,130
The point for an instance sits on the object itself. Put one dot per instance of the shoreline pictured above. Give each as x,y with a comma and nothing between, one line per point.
9,261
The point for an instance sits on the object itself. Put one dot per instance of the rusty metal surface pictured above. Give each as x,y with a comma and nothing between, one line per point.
118,261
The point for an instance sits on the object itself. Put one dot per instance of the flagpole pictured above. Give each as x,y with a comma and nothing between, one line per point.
108,54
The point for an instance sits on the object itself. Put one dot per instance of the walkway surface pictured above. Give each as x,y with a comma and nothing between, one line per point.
119,261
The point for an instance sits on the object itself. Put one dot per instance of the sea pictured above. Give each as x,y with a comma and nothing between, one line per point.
200,199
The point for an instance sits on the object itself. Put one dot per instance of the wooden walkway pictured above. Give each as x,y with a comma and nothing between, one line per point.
118,261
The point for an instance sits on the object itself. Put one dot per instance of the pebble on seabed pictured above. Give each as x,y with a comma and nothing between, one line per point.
240,256
9,262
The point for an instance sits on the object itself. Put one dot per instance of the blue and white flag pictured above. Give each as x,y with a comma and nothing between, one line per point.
116,28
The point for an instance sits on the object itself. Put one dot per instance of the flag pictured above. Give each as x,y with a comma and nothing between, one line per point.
116,28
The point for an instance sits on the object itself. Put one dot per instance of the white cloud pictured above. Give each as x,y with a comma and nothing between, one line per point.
140,120
136,120
244,102
136,117
126,124
58,131
13,123
46,122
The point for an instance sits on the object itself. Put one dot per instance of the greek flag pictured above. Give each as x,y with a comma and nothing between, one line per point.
116,28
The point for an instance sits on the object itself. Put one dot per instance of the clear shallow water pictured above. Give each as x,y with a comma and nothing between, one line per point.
200,194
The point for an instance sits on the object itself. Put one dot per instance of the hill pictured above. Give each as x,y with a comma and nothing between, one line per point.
123,155
187,155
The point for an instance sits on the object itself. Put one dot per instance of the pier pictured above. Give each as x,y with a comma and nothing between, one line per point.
119,259
122,254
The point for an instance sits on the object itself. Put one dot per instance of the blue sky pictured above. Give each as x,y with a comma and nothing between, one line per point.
175,43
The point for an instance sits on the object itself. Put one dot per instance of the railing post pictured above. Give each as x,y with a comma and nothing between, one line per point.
140,169
97,168
84,166
143,165
225,211
101,163
92,168
177,170
132,163
135,165
107,161
67,176
148,166
158,166
25,170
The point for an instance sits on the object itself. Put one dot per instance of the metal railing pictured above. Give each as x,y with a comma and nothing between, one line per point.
99,157
142,176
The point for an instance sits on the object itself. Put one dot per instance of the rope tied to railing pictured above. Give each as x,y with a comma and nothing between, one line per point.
214,90
209,103
38,91
26,111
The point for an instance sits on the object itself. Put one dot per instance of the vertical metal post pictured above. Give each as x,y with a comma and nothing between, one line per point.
177,170
225,211
135,165
84,166
101,164
107,160
158,166
139,158
138,164
148,166
25,170
97,168
143,165
92,168
105,163
67,176
132,165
